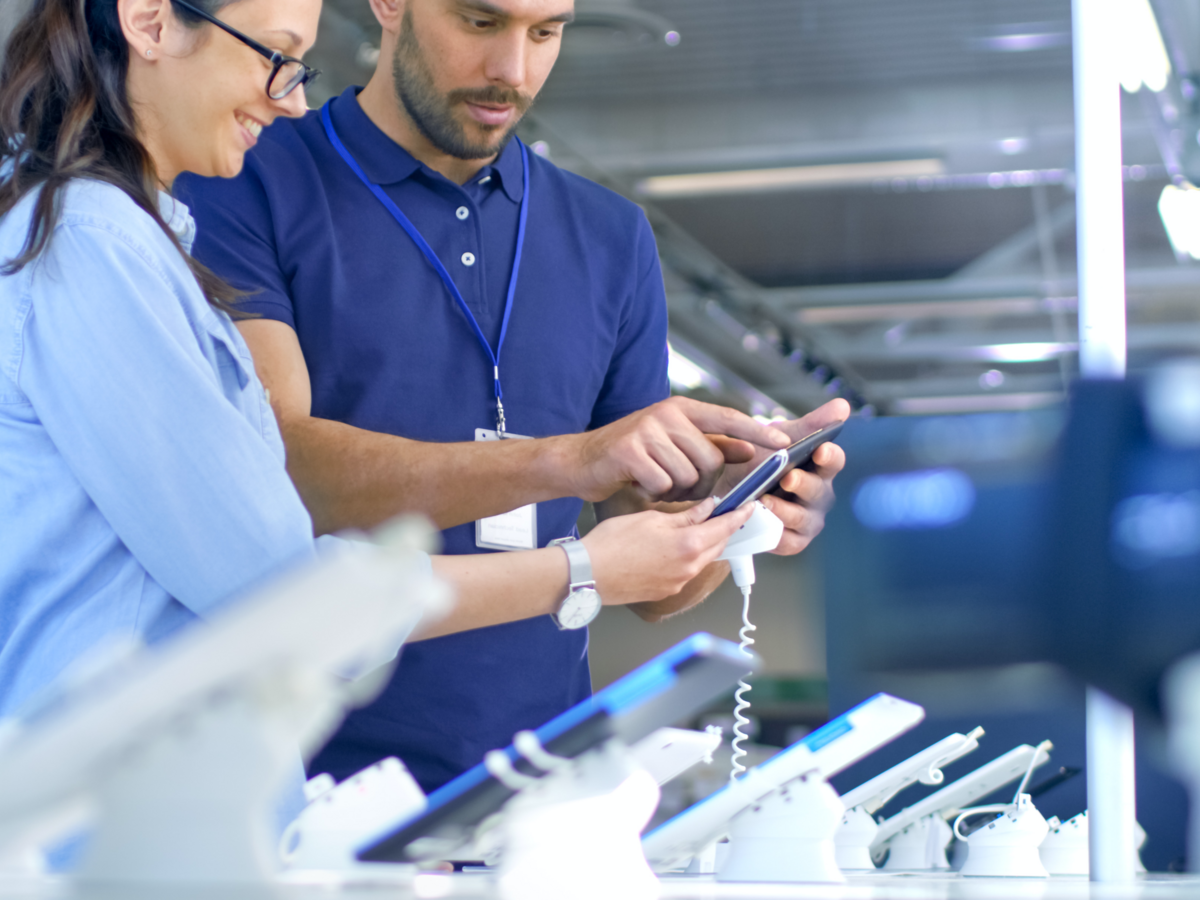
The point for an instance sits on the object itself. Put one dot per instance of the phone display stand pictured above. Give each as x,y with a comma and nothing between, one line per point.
920,847
1008,846
1181,696
1065,849
180,756
787,836
330,829
852,842
575,831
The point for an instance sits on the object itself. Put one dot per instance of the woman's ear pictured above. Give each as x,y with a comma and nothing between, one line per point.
144,23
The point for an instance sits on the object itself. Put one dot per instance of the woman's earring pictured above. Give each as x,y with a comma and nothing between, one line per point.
149,52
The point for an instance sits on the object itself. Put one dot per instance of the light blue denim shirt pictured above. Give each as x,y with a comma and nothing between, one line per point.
141,468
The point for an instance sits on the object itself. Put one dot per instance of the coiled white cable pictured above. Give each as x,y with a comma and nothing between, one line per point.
740,702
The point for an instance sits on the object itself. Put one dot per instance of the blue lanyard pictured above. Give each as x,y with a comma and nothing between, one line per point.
432,257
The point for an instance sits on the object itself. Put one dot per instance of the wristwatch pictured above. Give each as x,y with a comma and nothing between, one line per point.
582,603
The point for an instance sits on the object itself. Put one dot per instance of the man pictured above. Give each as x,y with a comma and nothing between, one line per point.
392,379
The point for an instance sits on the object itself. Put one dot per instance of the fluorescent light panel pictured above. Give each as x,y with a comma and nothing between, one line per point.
1179,209
746,181
1144,59
935,406
929,309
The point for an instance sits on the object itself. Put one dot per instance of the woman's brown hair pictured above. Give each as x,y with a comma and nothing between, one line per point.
65,114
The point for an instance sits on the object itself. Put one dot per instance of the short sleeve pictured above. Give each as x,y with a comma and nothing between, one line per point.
637,374
120,380
235,238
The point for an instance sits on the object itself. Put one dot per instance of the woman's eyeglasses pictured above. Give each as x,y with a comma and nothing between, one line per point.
287,73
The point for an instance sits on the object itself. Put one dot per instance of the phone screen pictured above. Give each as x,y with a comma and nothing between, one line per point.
770,471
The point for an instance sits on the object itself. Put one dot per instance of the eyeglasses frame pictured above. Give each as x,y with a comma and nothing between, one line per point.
277,59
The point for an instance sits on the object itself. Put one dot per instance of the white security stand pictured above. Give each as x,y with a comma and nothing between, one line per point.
852,842
1008,846
787,836
182,754
1065,849
1181,694
921,846
330,830
575,832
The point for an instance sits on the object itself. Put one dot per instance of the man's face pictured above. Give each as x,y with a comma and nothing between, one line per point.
466,71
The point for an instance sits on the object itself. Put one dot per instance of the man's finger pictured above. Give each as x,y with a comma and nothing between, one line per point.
733,450
723,420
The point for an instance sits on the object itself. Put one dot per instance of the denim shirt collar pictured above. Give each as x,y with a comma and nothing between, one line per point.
179,219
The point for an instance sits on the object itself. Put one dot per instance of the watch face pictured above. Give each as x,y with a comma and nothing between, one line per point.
579,608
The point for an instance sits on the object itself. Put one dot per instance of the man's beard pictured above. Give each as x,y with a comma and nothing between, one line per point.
433,114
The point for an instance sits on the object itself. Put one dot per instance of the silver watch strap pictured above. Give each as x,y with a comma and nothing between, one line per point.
579,562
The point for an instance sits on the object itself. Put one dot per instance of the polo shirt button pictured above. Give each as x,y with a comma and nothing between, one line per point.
462,212
468,259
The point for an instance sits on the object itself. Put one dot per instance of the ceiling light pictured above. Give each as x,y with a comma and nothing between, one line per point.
746,181
969,403
1014,353
928,309
1024,38
1179,209
1144,60
686,375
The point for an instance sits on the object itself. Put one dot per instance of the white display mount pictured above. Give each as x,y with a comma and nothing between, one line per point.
858,827
918,834
177,755
575,831
781,816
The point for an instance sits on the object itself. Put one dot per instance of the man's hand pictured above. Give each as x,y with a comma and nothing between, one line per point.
665,452
803,497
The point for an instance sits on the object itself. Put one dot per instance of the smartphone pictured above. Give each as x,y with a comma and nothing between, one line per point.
772,469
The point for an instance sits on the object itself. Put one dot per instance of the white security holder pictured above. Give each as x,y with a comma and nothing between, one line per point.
853,839
1065,849
180,754
576,831
787,836
1007,846
330,829
921,846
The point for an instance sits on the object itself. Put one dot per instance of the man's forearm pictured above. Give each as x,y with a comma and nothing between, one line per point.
351,478
694,593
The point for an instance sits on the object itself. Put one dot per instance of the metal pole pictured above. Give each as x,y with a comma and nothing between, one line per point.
1101,246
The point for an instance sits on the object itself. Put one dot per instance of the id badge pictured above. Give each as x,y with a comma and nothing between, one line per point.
515,530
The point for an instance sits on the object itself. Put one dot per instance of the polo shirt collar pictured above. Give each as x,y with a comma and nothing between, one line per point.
386,162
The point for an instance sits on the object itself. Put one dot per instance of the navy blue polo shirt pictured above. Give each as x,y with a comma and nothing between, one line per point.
389,350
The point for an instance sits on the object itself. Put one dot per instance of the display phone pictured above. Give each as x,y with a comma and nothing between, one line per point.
672,686
771,470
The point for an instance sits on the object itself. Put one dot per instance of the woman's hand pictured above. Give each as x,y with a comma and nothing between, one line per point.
647,556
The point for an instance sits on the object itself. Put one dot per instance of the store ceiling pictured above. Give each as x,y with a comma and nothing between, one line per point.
906,292
912,293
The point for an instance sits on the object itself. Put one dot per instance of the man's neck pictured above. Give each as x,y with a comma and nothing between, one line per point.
379,101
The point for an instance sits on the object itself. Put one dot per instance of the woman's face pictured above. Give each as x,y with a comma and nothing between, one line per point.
200,94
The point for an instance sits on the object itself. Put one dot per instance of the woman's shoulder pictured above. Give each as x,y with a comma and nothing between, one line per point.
96,206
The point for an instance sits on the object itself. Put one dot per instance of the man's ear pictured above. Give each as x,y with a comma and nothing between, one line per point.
389,13
143,23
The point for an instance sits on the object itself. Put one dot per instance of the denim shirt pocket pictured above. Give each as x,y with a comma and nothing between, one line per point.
239,380
233,367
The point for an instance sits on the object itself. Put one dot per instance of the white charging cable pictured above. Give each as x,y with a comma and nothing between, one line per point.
761,534
741,704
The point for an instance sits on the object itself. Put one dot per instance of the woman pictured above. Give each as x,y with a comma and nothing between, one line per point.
141,469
